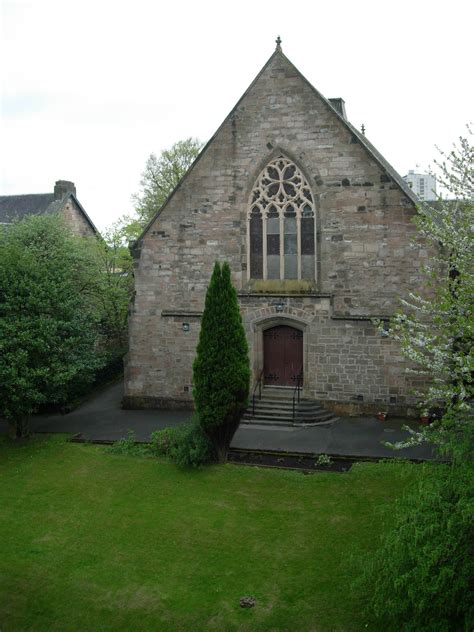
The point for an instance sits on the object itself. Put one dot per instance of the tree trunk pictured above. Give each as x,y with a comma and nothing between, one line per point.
222,453
222,436
20,428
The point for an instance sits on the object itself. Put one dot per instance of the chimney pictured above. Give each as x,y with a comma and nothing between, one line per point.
62,187
340,106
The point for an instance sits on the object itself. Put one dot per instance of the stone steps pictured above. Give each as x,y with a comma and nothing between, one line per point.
276,408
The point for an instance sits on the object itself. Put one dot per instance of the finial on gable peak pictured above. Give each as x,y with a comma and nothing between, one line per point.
278,43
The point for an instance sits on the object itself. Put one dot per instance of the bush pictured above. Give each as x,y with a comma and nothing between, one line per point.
422,578
185,444
129,446
112,367
163,442
191,447
110,370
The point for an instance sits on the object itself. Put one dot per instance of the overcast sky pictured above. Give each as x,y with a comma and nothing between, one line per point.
91,88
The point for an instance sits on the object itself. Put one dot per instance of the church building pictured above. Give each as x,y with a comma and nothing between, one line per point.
316,227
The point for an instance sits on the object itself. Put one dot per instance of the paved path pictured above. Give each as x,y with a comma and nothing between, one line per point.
102,418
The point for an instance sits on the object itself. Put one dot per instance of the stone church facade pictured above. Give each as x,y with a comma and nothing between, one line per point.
316,227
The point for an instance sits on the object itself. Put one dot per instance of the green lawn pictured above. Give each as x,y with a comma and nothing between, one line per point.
94,541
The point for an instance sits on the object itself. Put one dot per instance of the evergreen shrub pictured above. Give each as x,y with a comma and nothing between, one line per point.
221,370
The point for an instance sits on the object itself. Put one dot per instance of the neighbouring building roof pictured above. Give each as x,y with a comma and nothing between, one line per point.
17,207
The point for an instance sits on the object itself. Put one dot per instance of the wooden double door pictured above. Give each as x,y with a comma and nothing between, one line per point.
282,355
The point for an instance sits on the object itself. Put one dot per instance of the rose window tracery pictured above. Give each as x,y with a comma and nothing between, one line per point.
281,224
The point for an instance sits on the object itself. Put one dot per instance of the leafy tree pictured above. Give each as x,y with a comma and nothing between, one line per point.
160,177
422,576
129,227
48,327
436,329
111,285
221,368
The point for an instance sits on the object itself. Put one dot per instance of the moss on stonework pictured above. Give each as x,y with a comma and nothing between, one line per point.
276,286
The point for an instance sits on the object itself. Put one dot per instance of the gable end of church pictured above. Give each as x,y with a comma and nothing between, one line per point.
316,227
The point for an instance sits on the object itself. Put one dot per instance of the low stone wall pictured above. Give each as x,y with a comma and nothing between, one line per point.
131,402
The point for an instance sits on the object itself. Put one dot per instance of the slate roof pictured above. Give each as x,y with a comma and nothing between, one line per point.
17,207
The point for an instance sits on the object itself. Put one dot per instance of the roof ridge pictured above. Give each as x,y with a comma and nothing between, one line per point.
373,151
376,155
24,194
277,51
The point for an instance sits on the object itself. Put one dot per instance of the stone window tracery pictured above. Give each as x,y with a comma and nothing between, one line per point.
281,224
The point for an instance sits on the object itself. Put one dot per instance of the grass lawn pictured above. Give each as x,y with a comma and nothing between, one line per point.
94,541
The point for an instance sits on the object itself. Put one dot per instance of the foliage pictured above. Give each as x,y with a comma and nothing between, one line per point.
221,372
436,329
129,446
48,327
323,459
422,576
185,444
129,227
111,369
163,442
162,175
192,447
113,285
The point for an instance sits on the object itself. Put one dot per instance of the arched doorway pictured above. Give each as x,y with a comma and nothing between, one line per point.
282,355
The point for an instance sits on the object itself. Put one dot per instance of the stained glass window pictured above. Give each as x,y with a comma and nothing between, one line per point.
256,240
282,224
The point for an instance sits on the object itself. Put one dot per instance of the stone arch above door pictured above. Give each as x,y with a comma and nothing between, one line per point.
269,321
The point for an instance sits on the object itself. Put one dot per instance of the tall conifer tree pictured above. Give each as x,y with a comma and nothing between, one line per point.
221,368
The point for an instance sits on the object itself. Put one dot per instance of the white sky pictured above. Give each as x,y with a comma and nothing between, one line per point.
91,88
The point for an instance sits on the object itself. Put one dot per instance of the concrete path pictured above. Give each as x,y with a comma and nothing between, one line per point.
102,418
348,436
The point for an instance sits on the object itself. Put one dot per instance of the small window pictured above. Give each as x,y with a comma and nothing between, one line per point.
256,236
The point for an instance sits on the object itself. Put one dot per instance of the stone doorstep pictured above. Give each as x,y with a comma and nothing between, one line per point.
275,408
270,423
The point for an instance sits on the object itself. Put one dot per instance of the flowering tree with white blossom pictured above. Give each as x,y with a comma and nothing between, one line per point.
436,328
421,576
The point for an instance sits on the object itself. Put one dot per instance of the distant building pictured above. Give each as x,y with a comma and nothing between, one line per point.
62,201
423,184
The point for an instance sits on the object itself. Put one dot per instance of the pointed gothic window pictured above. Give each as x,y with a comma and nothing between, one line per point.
281,226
